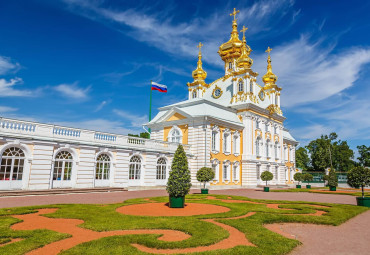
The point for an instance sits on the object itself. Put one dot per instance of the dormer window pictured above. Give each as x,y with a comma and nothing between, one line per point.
241,86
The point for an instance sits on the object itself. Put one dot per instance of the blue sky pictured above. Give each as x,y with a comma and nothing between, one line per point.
88,63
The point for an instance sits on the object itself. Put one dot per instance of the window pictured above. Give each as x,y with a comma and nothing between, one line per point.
268,148
102,167
226,172
257,124
236,171
215,139
230,65
251,87
276,173
194,94
236,143
215,168
258,172
161,169
135,168
275,129
276,99
267,127
258,151
227,144
63,166
241,86
12,163
175,135
276,150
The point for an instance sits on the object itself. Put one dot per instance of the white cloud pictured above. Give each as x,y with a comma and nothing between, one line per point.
72,91
308,72
100,106
7,89
136,121
7,65
5,109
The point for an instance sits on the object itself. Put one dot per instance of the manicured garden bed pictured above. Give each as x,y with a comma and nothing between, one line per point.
114,229
322,190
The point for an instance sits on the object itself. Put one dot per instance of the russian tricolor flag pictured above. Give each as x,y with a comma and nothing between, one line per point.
159,87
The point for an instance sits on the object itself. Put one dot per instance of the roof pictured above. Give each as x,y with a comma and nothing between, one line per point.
288,136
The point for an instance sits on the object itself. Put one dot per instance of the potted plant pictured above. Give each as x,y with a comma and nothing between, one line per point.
178,184
298,177
308,178
332,180
360,177
205,174
266,176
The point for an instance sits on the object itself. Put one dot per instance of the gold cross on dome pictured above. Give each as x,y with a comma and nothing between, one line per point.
243,30
234,13
199,46
268,50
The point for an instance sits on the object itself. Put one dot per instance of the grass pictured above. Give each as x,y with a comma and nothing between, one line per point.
318,190
105,218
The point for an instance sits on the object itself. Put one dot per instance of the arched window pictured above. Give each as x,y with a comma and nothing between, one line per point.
251,87
135,168
215,168
258,142
236,171
102,167
12,163
226,171
230,65
236,143
194,94
63,166
215,139
276,150
227,141
268,148
175,135
161,169
240,86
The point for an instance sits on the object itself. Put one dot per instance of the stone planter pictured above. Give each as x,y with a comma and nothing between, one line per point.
177,202
204,191
266,189
333,188
308,186
363,201
298,186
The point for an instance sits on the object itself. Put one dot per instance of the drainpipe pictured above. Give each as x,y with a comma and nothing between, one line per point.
205,145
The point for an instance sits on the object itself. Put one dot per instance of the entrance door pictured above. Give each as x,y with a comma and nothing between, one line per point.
135,174
62,170
102,171
11,169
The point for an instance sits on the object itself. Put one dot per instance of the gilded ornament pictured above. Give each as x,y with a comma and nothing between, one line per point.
217,92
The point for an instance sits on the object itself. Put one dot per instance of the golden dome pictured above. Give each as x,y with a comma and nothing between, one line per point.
269,78
244,61
199,74
232,48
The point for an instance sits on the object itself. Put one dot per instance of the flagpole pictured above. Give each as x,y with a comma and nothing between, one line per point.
150,106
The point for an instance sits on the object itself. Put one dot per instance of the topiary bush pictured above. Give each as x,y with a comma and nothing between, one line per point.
332,179
205,174
359,177
298,177
266,176
179,182
308,178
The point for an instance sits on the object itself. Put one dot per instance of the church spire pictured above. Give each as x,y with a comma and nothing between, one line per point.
244,61
199,74
269,78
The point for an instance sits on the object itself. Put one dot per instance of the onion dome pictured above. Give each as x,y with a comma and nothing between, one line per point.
244,61
199,74
232,48
269,78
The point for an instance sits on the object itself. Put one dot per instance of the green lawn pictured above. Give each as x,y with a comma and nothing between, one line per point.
105,218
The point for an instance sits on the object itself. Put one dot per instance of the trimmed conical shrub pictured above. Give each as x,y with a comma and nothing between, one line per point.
179,181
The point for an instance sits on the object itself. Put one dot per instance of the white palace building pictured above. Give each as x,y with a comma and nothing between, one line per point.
232,124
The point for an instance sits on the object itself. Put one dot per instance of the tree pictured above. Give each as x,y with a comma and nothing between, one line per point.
266,176
298,177
301,158
178,184
142,135
359,177
328,151
308,178
332,178
364,158
205,174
